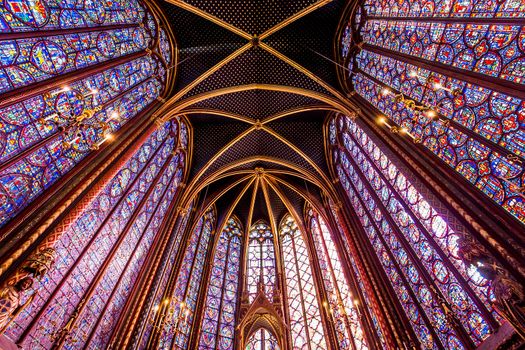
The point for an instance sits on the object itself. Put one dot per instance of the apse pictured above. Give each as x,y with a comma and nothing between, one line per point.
262,175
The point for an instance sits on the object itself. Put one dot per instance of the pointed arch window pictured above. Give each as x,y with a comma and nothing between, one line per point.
416,246
167,264
220,306
175,334
69,78
261,260
469,74
343,304
361,282
101,253
303,302
262,339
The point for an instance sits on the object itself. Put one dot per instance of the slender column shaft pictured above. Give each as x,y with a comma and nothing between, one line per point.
366,323
73,216
154,339
150,251
464,200
424,316
101,272
321,289
79,198
415,260
145,292
482,308
380,289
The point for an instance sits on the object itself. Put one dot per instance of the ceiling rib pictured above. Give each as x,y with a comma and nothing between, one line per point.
265,181
211,18
309,74
294,18
178,107
193,189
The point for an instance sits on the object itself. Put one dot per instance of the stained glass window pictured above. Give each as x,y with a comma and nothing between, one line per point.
108,79
151,310
303,302
175,333
462,71
417,247
220,305
262,339
342,302
100,255
261,260
364,285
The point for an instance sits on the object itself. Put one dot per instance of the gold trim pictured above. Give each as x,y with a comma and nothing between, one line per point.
273,220
221,113
176,108
329,191
193,190
309,200
252,121
217,155
210,18
201,78
298,151
252,204
217,196
293,18
310,75
298,110
289,207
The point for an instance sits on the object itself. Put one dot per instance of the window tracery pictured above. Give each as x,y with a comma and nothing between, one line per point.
342,303
175,333
416,246
261,261
470,120
101,253
262,339
220,305
303,303
72,74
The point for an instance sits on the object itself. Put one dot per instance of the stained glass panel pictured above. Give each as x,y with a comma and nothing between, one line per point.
343,305
182,304
121,219
108,79
218,322
303,302
410,228
262,339
261,261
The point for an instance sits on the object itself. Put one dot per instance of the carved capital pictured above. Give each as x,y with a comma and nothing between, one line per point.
39,263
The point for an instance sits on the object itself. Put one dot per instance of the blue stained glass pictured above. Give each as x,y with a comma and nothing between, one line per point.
371,162
301,290
342,303
187,285
463,153
32,123
88,233
28,15
219,320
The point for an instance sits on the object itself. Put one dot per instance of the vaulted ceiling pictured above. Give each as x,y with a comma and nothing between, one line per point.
256,80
